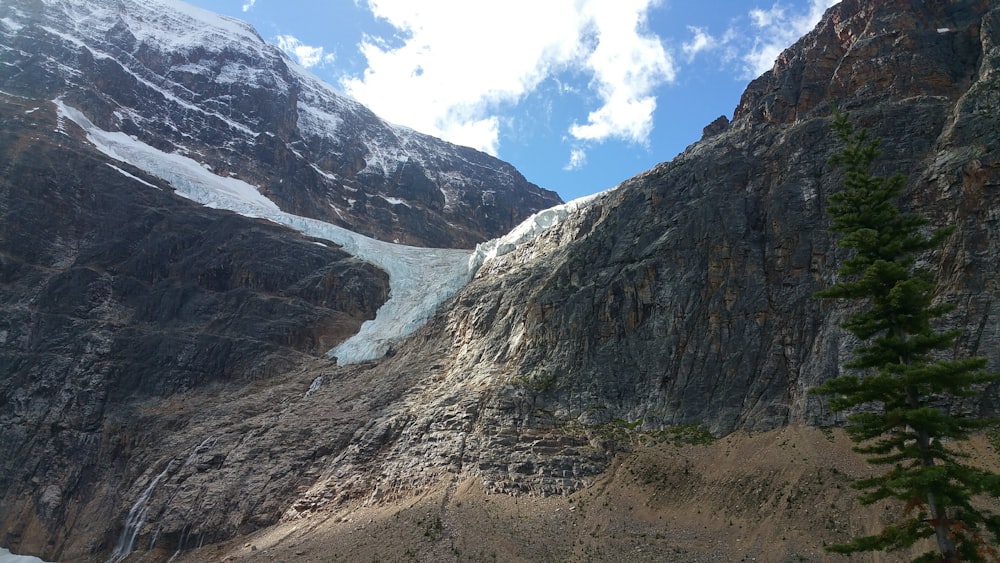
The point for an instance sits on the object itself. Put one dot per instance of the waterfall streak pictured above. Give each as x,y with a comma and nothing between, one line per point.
136,518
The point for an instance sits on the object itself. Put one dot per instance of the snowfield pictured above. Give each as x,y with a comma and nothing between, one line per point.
7,557
420,279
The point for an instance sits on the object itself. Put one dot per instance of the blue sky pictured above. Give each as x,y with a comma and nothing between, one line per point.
579,95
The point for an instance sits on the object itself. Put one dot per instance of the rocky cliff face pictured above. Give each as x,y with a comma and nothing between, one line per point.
683,297
188,81
115,294
117,297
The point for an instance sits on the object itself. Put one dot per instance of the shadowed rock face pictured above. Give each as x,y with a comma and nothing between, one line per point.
114,294
683,297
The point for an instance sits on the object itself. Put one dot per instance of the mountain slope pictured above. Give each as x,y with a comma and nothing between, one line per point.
115,293
187,81
685,296
419,278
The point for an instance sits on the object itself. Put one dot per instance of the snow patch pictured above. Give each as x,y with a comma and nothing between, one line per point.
11,25
133,176
395,200
327,175
7,557
317,121
314,386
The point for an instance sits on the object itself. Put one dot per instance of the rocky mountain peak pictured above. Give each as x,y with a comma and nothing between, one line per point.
188,81
855,56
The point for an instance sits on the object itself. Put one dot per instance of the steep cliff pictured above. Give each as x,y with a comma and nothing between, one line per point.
683,297
114,293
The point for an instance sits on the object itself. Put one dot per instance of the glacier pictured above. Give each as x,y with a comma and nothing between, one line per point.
528,229
420,279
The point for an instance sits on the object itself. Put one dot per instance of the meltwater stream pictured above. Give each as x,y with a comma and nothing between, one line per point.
136,518
137,515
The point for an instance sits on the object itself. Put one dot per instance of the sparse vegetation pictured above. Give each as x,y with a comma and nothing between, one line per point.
632,432
539,382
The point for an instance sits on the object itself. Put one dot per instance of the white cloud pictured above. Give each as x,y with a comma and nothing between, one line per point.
577,159
461,63
304,54
627,66
702,41
752,43
248,5
774,30
767,18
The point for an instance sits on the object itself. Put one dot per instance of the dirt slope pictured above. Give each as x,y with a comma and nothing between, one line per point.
774,496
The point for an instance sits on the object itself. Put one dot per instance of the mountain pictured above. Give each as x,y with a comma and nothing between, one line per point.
164,392
193,83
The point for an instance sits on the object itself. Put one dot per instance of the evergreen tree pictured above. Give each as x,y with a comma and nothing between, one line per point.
899,401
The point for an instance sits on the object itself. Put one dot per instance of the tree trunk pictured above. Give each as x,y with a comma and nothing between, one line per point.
939,516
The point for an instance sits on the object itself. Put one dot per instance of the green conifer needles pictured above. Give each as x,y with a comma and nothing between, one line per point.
901,402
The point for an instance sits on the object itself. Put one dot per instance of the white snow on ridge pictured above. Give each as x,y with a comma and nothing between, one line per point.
419,278
528,229
171,25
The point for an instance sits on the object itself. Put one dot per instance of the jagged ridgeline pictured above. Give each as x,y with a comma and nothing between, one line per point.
163,379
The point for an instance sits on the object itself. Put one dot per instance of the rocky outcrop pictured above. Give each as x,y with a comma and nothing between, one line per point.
205,86
686,295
